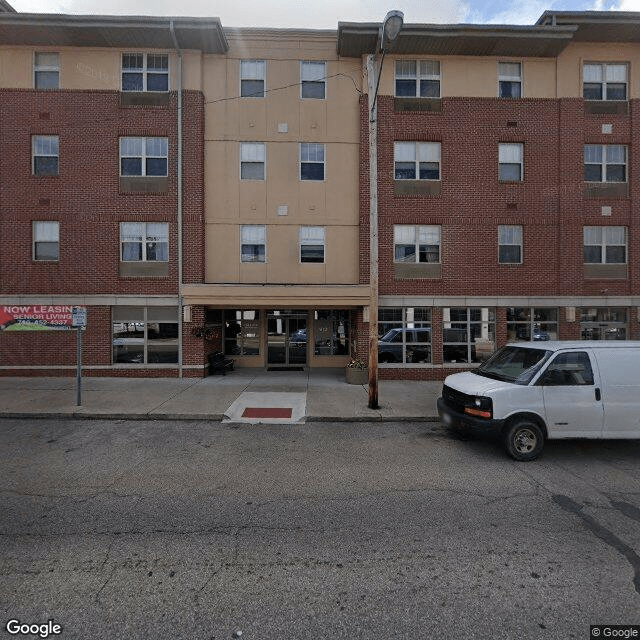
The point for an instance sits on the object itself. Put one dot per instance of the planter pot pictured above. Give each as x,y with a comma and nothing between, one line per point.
357,376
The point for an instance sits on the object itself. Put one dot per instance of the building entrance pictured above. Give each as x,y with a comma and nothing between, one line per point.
286,338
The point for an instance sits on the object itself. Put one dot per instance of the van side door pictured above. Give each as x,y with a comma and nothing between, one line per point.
620,377
572,399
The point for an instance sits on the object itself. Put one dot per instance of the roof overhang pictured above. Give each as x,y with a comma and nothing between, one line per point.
357,39
5,7
597,26
123,32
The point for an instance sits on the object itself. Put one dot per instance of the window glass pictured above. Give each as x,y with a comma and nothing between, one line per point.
404,335
311,244
145,72
313,78
46,240
242,332
252,160
145,335
331,332
252,78
253,243
47,70
568,369
144,157
533,324
45,155
509,244
468,334
311,161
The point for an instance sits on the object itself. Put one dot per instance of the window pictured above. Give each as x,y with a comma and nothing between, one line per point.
252,78
604,81
331,332
252,160
510,80
605,163
46,71
417,160
568,369
604,323
526,324
242,332
404,335
144,156
468,334
145,335
313,80
46,240
311,244
605,245
417,78
416,244
144,241
510,163
45,152
509,244
253,238
145,72
311,161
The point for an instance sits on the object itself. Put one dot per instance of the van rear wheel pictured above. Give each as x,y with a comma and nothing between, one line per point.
523,440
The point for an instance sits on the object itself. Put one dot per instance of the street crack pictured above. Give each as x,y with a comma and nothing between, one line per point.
566,503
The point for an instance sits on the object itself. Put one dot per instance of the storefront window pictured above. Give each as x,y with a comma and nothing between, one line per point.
468,334
242,332
404,335
331,332
530,324
603,323
145,335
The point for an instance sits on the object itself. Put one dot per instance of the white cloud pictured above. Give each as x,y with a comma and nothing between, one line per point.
311,14
517,13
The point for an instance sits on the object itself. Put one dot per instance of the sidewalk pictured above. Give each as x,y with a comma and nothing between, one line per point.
244,395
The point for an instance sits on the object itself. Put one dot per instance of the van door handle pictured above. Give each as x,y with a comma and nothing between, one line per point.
598,394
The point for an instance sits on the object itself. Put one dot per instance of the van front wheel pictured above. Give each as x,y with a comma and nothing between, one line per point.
523,440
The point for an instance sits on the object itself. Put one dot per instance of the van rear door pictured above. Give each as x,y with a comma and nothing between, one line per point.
572,396
620,375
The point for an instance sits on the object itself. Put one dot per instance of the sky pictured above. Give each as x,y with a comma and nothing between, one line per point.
325,14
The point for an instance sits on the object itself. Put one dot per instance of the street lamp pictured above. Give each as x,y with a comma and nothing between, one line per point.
386,37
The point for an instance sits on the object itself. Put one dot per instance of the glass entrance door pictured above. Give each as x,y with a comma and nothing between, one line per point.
286,338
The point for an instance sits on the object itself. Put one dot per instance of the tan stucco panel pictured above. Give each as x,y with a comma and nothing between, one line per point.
16,68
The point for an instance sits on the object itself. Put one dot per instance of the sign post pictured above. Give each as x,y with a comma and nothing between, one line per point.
79,321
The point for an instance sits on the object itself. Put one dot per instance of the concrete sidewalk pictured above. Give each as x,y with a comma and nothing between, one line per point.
312,395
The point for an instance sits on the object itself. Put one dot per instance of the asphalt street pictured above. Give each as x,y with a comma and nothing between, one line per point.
202,530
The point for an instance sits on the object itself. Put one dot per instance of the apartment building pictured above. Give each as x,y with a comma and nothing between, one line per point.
508,186
200,189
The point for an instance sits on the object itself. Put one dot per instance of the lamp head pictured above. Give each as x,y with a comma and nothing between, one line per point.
391,27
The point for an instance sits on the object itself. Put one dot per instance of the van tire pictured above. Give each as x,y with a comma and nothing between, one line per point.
523,440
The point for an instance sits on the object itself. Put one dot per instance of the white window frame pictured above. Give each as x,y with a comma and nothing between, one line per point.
417,235
39,230
45,146
148,234
503,76
39,67
305,70
314,147
510,154
145,71
261,232
604,161
606,240
254,153
604,81
253,70
419,73
513,233
312,236
145,154
417,153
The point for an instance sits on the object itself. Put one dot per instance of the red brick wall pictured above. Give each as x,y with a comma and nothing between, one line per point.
85,198
549,204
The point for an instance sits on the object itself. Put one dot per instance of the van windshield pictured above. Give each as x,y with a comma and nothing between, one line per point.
514,364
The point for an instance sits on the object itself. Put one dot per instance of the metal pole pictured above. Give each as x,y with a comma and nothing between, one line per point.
372,78
79,372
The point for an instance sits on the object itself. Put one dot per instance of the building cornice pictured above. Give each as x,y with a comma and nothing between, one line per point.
122,32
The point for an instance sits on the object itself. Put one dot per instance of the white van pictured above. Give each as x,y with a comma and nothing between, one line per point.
528,392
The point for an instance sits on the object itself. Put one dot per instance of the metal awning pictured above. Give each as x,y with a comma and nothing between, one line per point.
358,39
597,26
123,32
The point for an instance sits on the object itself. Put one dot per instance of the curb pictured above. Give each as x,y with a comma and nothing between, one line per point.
193,418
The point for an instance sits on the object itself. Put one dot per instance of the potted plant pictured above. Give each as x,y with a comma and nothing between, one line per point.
357,372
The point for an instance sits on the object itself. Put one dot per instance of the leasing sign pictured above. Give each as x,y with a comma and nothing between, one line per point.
36,318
